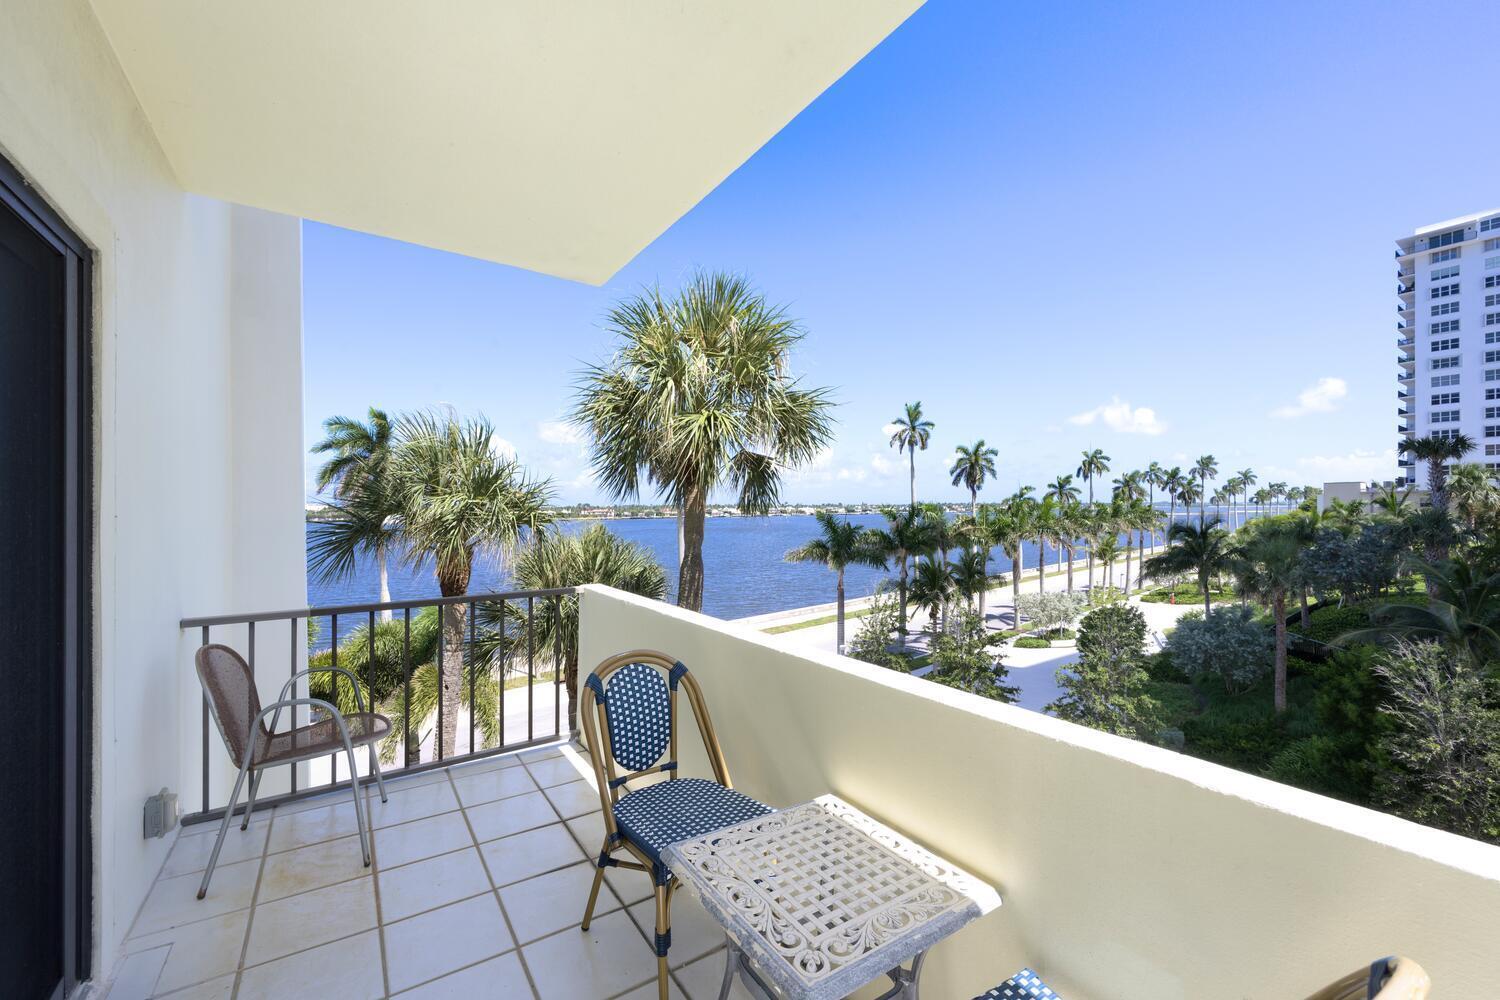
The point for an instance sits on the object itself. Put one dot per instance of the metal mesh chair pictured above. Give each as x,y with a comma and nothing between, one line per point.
634,696
1393,978
253,746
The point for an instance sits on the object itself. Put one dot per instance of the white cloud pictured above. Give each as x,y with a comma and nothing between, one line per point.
1321,397
1357,466
559,432
1120,416
888,430
503,448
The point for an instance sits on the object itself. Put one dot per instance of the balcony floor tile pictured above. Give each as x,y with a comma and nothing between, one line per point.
349,969
498,977
444,940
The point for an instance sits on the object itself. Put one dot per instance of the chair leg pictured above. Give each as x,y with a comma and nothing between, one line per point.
359,807
379,778
213,859
663,937
588,911
250,803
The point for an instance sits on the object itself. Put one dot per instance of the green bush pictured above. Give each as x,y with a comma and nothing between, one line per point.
1159,667
1327,624
1243,745
1032,642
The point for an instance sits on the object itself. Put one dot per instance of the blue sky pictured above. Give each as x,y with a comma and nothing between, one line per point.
1158,229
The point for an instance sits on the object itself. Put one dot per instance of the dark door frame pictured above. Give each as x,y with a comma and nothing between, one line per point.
78,683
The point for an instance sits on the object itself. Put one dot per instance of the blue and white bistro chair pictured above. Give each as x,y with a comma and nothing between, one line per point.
628,710
1024,985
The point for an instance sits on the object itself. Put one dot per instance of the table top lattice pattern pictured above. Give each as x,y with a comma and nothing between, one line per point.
823,899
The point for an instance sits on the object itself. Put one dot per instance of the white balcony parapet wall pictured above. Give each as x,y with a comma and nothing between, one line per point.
1127,870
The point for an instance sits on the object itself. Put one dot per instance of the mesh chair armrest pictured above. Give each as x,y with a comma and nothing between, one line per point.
359,701
274,710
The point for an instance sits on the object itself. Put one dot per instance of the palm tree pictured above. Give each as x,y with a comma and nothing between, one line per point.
1205,552
971,577
1156,476
940,531
1071,524
556,559
457,497
1172,482
970,468
1128,488
359,471
1463,610
843,544
1205,468
912,432
1247,479
932,588
1065,494
904,538
1278,493
1391,499
700,396
1010,530
1108,548
1043,528
1268,566
1095,464
1471,492
1189,494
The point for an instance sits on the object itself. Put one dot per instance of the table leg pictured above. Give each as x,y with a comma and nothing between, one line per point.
904,984
731,966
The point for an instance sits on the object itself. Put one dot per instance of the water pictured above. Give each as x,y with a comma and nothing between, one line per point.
744,570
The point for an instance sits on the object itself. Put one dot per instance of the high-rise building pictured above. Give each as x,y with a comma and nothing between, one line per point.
1448,336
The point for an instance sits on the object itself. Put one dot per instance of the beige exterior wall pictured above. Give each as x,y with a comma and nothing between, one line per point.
1126,870
191,372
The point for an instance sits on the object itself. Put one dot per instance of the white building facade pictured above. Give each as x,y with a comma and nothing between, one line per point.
1448,336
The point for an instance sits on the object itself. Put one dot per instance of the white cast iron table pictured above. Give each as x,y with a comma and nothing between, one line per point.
819,899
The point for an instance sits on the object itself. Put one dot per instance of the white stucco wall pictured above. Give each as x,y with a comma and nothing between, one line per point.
1127,871
183,527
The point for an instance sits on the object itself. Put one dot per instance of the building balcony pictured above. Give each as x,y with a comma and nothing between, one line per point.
1407,360
1126,856
1404,341
1406,376
1403,395
1406,289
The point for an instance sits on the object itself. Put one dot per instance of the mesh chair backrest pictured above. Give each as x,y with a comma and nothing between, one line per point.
640,716
232,698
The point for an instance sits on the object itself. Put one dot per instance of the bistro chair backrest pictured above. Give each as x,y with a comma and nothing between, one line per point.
628,709
232,698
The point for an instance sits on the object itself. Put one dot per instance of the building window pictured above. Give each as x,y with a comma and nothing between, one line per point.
1442,255
1492,413
1442,381
1445,399
1493,222
1446,344
1492,300
1444,308
1491,263
1490,357
1445,239
1492,319
1450,361
1493,244
1492,430
1490,394
1492,374
1492,281
1446,326
1443,291
1492,449
1493,337
1445,416
1446,434
1444,273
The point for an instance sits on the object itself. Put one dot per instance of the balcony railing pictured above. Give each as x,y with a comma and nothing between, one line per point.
499,653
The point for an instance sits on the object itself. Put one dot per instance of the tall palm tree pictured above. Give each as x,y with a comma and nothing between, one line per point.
1247,479
1155,477
971,578
698,397
1071,524
1268,566
1109,551
1044,529
1471,492
1278,493
1144,518
932,588
1173,481
1189,494
359,471
1095,464
912,433
1130,489
971,466
1205,468
941,534
842,544
904,537
459,496
1437,452
1010,530
1205,552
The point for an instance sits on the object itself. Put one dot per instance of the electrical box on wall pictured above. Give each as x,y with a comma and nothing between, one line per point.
161,814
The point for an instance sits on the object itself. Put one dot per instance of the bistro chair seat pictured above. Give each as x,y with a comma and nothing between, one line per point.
628,709
321,738
669,811
1024,985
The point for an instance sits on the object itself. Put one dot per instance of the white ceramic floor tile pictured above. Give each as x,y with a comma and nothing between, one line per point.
542,752
311,918
496,783
588,830
631,886
348,969
135,979
559,771
694,932
649,992
512,815
702,979
313,826
215,989
412,803
501,978
423,838
551,902
401,782
423,885
200,950
604,960
322,801
523,855
190,853
576,798
174,901
441,941
313,867
484,764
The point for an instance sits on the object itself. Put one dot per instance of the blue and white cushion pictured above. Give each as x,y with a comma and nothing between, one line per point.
1024,985
640,716
669,811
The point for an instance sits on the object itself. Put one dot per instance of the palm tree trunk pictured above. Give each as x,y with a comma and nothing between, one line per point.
973,504
912,452
690,570
1280,607
1171,520
450,681
1015,587
1126,588
904,619
385,583
1306,615
1041,566
1203,582
1070,568
841,612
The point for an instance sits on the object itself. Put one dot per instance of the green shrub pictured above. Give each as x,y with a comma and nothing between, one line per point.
1245,746
1159,667
1327,624
1032,642
1229,645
